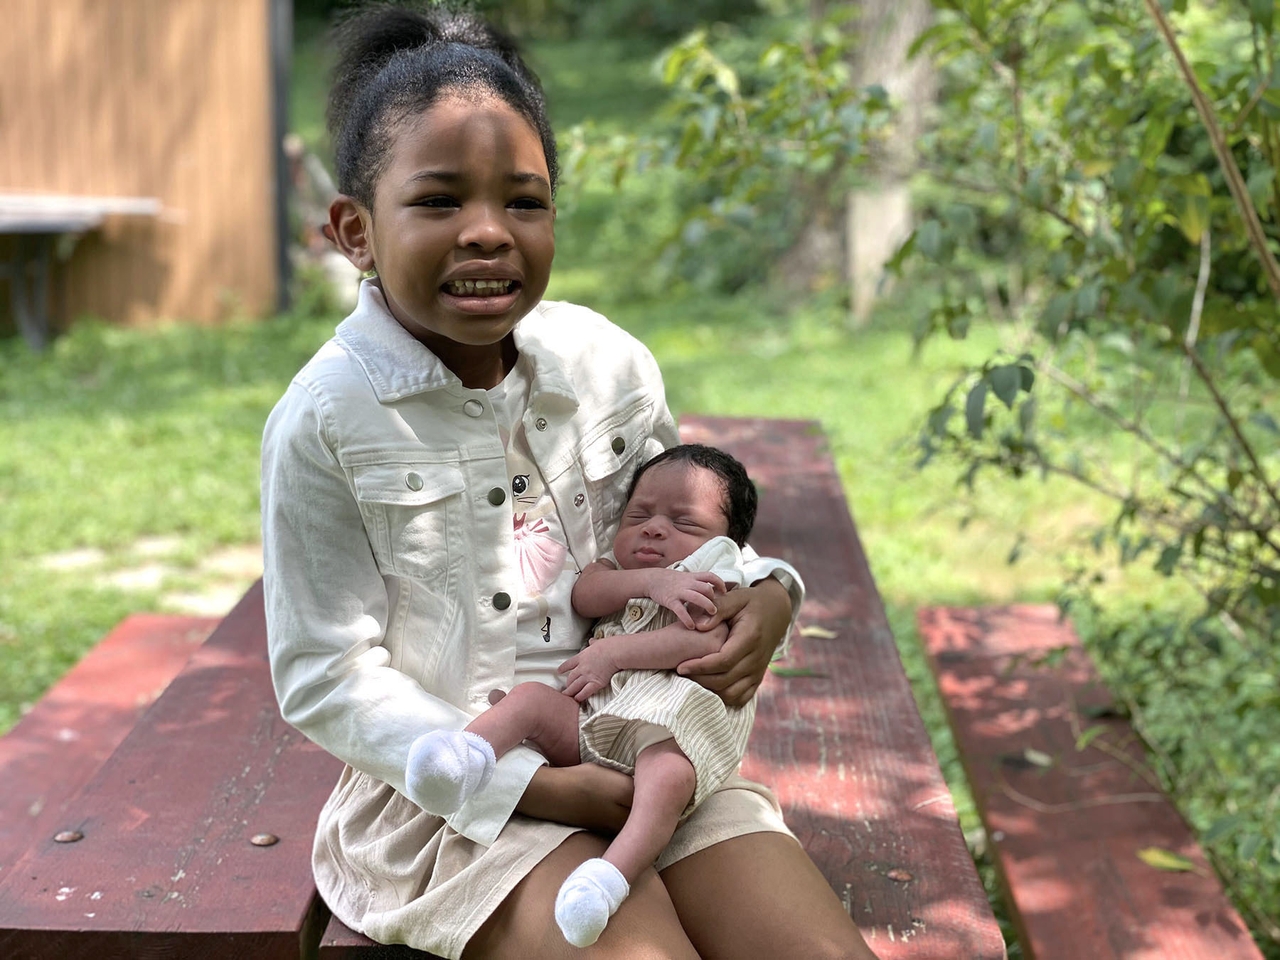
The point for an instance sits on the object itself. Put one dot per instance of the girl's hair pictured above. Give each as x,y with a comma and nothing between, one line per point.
740,500
395,61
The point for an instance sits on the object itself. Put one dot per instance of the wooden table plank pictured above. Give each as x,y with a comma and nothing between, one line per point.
49,755
1066,835
845,749
166,867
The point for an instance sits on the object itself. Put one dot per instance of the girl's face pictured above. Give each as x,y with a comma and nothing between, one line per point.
675,509
460,232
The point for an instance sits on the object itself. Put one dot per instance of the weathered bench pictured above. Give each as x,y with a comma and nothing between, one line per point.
196,831
38,226
1068,798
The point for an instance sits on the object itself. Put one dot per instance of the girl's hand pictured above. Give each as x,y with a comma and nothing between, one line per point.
758,620
589,671
585,795
679,591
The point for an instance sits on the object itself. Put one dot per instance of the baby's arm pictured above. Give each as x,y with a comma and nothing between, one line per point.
663,649
602,589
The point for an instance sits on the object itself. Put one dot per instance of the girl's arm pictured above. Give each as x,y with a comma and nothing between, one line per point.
585,795
327,611
602,589
666,648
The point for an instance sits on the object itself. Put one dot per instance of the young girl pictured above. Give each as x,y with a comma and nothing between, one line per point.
689,511
408,574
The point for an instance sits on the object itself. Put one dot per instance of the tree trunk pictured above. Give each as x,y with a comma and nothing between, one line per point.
878,217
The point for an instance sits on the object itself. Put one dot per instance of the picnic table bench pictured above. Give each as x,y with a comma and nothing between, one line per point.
44,227
193,837
1069,799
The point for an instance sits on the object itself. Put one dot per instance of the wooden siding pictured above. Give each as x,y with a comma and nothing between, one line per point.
154,98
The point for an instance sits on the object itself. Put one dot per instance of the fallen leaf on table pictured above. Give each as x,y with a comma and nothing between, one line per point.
817,632
795,672
1165,860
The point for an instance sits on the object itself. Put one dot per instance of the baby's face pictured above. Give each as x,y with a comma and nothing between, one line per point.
676,508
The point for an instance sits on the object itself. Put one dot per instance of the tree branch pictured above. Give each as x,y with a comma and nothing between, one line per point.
1235,181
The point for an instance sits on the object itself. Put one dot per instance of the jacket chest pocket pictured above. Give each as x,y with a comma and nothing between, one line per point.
411,510
609,461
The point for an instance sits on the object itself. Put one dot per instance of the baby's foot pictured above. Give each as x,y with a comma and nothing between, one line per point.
446,767
587,899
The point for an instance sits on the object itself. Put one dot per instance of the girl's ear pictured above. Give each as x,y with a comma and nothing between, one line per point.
351,226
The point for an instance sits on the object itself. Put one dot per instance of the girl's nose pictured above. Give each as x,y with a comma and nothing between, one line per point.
485,229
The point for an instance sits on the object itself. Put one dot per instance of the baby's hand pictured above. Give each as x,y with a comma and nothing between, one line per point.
679,591
589,671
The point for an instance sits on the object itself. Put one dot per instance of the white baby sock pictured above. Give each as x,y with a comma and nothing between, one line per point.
445,767
587,899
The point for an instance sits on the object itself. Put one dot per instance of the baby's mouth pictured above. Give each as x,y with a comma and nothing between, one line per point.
479,288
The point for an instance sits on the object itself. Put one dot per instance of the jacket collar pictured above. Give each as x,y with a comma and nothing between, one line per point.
399,366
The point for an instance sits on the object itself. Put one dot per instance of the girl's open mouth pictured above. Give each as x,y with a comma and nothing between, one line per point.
482,296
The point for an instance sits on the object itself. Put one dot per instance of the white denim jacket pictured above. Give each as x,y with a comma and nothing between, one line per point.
390,570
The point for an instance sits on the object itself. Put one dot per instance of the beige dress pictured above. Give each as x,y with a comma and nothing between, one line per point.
641,707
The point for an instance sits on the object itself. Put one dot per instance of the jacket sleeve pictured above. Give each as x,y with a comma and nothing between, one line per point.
327,607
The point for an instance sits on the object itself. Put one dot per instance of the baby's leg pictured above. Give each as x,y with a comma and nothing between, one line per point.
664,783
537,713
446,767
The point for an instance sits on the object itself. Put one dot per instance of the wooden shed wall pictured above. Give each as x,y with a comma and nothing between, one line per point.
152,98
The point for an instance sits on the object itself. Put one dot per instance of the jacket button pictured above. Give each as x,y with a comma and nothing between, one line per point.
413,481
540,423
618,445
501,601
473,408
497,496
578,500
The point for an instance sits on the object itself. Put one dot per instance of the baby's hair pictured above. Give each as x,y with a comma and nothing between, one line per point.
740,500
395,61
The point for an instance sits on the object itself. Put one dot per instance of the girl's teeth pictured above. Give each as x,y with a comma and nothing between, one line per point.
483,288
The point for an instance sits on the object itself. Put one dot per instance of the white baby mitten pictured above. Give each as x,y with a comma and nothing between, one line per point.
587,899
445,767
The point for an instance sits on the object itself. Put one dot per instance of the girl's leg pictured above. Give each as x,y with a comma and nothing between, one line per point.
446,767
644,928
760,895
664,783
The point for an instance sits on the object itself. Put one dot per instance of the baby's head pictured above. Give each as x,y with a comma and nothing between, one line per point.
681,499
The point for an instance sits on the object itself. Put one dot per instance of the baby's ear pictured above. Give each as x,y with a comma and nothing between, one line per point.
351,228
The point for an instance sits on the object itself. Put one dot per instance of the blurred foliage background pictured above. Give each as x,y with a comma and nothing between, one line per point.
1066,389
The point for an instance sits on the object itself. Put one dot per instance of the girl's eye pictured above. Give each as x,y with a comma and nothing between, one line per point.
687,524
528,203
437,202
634,516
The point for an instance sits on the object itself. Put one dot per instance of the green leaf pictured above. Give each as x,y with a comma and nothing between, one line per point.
1005,382
1250,846
1222,827
1088,736
1165,860
974,409
928,238
1260,418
